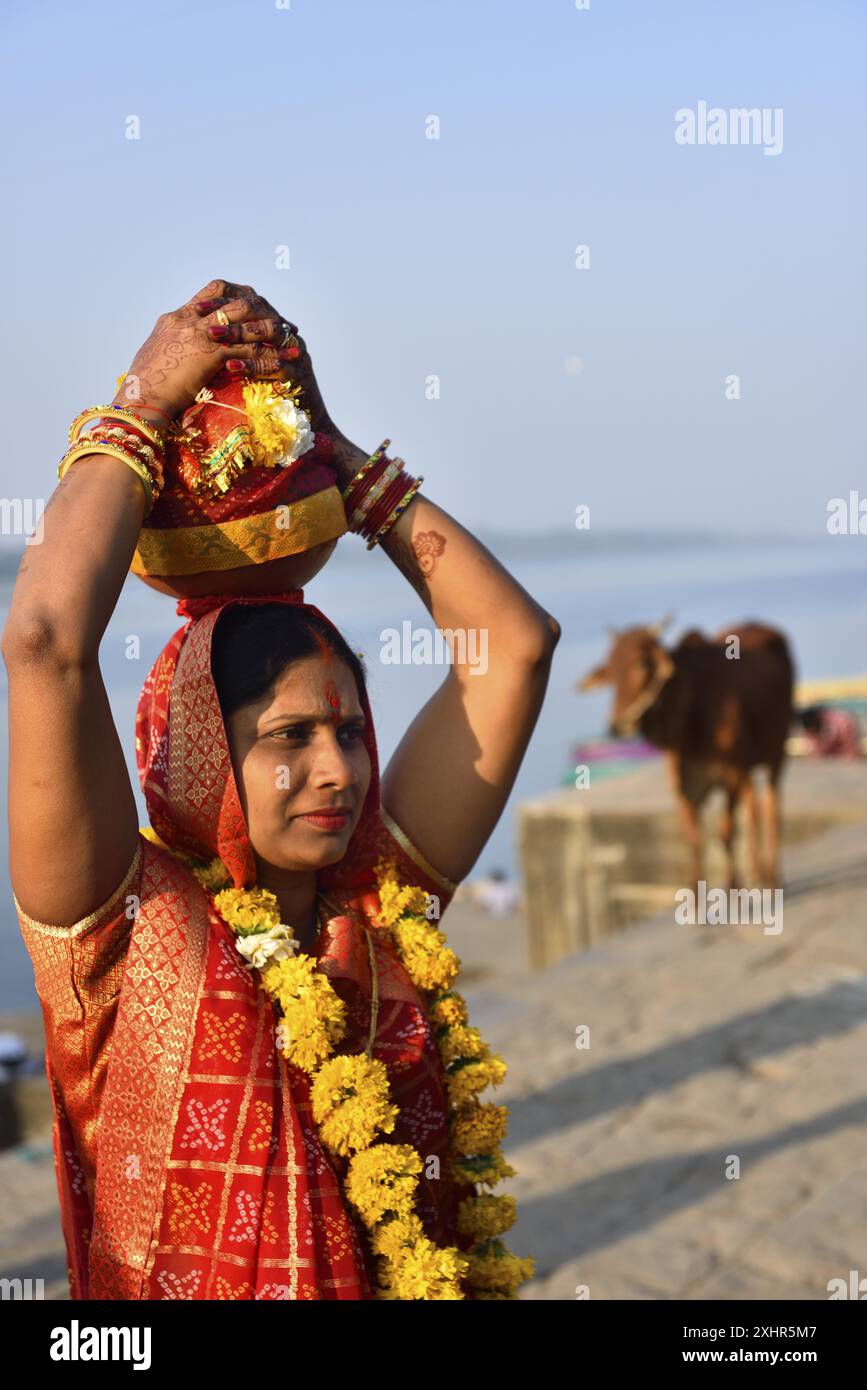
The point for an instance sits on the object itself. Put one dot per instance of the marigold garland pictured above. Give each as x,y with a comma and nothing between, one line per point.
476,1129
350,1102
350,1094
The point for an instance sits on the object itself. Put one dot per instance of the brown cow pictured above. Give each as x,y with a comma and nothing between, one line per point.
719,708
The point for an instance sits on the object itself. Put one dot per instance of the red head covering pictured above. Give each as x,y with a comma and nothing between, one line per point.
184,764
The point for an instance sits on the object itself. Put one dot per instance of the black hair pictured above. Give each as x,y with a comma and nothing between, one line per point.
252,644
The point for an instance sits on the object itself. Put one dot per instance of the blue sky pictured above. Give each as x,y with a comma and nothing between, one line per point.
305,127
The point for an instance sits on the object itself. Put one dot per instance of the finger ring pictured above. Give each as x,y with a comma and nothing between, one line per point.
222,317
289,339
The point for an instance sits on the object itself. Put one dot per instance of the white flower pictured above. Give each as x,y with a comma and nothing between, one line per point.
298,421
277,943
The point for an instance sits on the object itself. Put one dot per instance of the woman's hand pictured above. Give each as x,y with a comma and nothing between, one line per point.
189,348
263,334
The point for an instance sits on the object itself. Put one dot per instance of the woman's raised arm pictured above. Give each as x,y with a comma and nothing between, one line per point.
72,816
449,778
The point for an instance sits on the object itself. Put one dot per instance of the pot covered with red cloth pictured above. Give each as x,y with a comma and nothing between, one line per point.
250,503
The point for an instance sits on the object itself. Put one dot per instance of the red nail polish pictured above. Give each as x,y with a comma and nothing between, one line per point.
218,330
235,364
206,305
290,354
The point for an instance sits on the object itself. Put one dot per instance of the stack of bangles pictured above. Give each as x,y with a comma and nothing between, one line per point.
125,435
378,494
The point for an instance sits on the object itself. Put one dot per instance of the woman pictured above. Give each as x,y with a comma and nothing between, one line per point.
201,1151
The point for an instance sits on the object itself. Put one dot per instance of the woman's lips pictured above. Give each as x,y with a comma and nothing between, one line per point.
330,820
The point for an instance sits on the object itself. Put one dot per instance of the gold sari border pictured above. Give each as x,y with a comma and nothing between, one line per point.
248,540
76,929
150,1053
415,855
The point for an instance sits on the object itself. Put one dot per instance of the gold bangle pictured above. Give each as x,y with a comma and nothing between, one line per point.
115,451
120,433
116,412
125,437
80,450
393,516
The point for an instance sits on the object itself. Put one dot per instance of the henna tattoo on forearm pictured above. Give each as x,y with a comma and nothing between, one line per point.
417,559
428,546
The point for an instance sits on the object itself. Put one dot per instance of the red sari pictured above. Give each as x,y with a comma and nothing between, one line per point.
188,1163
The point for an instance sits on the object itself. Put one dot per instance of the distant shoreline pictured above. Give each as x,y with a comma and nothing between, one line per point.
562,540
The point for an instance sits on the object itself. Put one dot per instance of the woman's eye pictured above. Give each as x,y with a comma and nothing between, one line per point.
298,732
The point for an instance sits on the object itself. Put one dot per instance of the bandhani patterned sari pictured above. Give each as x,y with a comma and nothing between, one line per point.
188,1162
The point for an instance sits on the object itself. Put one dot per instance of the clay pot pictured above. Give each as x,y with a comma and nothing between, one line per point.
272,577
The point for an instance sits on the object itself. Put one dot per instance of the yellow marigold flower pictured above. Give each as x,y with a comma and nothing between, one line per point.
465,1083
427,1271
416,901
398,901
428,961
383,1179
314,1016
350,1100
296,980
461,1041
213,875
277,426
388,887
244,909
480,1129
486,1216
481,1168
498,1269
303,1039
390,1236
449,1009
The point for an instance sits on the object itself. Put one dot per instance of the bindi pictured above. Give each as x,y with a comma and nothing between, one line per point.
332,699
